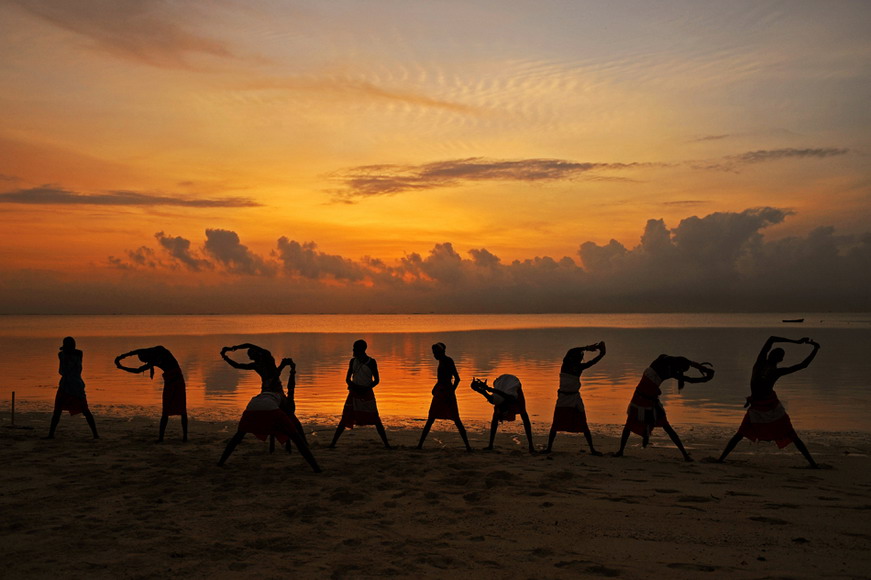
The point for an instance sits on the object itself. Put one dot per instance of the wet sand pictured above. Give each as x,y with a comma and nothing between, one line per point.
125,507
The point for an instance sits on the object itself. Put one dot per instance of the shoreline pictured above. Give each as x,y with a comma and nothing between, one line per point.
122,506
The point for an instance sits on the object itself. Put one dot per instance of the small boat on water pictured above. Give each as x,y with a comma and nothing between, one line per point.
793,320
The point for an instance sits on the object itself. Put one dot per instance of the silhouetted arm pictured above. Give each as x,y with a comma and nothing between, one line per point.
803,364
376,378
121,357
600,346
763,354
232,363
291,379
706,370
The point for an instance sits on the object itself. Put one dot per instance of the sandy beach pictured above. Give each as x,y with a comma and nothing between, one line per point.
125,507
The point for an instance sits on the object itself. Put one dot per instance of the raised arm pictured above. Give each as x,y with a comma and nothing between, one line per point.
706,370
763,354
600,346
803,364
121,357
291,379
231,362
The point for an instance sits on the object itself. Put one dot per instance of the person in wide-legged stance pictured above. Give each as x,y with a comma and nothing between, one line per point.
360,406
71,388
506,396
174,396
766,419
569,414
263,417
444,395
645,410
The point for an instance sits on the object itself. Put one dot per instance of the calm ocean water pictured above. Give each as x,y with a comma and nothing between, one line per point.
833,393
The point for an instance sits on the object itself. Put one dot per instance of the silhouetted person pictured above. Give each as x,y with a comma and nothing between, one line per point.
71,388
263,417
174,396
263,363
766,419
507,399
646,412
360,406
569,414
444,395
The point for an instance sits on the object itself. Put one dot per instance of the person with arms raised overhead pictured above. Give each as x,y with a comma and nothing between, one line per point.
645,410
569,414
174,396
766,419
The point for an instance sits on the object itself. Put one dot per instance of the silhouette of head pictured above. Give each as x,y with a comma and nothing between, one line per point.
776,355
69,343
154,355
576,353
360,347
255,354
438,349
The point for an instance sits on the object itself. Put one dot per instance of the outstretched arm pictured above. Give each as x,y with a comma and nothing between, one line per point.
600,346
706,370
121,357
763,354
291,379
803,364
231,362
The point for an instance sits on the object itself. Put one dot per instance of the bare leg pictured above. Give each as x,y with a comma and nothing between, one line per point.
493,426
304,450
527,426
624,438
427,426
589,437
91,423
676,440
339,430
184,427
462,431
55,419
231,445
550,439
164,419
799,444
380,428
736,438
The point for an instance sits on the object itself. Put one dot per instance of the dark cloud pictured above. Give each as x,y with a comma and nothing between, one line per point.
305,260
180,249
711,138
716,262
50,195
372,180
151,32
225,247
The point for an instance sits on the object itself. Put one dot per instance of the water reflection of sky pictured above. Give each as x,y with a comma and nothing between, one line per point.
831,394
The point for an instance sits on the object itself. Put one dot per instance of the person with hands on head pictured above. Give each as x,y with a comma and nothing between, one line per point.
766,418
569,414
263,363
174,396
645,410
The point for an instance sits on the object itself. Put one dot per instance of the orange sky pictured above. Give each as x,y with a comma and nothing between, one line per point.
382,129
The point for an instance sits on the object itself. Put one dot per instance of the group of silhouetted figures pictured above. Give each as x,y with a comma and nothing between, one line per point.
271,414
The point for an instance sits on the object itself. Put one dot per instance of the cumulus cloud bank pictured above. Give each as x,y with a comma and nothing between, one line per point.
716,262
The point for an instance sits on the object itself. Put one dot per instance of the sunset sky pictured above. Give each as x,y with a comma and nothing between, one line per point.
447,156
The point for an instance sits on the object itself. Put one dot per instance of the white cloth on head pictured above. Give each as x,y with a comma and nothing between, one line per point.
508,384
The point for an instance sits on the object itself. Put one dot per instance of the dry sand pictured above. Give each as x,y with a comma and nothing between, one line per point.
124,507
